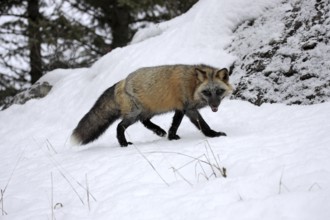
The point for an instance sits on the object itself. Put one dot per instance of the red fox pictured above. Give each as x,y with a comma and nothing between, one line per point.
150,91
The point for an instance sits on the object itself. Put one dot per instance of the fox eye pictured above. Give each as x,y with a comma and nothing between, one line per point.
220,91
206,93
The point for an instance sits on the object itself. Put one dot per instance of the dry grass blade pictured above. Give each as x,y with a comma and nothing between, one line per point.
211,166
281,184
7,184
72,187
152,166
12,173
222,170
59,167
204,173
52,196
199,161
177,171
50,146
186,164
313,186
2,201
88,194
64,173
178,153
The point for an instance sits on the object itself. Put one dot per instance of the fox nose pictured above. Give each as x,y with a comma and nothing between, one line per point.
214,101
214,104
214,108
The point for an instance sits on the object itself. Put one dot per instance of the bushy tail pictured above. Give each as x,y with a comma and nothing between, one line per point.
104,112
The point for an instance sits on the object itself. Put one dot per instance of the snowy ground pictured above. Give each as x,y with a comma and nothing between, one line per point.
276,156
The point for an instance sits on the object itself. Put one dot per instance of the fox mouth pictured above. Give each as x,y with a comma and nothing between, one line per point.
214,108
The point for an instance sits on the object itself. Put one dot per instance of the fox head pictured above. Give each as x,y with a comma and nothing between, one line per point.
213,86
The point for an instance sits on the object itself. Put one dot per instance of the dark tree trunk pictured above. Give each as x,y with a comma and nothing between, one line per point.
119,22
34,36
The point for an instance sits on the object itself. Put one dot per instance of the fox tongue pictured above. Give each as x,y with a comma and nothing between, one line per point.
214,109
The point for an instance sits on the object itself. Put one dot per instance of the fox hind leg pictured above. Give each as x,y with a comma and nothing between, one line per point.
122,126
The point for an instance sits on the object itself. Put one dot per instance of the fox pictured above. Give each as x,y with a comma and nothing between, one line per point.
151,91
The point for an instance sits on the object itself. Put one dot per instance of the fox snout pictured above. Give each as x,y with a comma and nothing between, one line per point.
214,105
214,102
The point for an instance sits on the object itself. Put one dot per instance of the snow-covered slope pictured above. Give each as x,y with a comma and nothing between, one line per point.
276,156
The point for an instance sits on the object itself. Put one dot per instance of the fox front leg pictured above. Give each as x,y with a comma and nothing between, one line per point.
177,118
196,118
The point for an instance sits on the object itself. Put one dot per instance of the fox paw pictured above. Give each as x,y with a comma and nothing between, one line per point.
173,137
125,144
160,132
221,134
212,133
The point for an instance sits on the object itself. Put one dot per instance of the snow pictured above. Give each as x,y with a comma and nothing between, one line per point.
276,156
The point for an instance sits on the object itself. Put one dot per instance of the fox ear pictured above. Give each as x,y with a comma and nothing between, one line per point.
223,74
200,74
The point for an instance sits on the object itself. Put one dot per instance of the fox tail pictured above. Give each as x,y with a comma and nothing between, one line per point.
104,112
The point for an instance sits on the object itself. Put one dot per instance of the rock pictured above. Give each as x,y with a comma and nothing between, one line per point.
36,91
309,45
283,55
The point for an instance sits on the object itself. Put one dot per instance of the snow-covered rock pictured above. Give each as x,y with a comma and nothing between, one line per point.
283,55
36,91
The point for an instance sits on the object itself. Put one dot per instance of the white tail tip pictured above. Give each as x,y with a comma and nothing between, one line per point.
74,141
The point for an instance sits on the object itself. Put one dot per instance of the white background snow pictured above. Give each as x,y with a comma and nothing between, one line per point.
276,156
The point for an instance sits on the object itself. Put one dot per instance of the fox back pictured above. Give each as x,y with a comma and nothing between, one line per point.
166,88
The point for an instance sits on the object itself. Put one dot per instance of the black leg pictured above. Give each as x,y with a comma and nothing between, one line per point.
177,118
125,123
199,122
155,128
